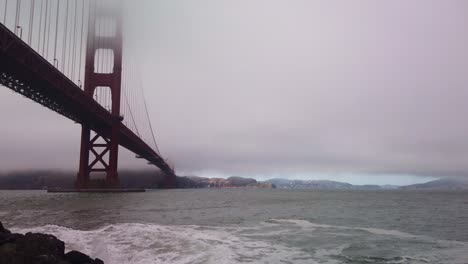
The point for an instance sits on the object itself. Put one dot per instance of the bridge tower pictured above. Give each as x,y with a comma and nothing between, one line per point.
102,148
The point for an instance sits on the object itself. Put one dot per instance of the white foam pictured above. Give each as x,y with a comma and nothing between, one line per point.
386,232
406,259
267,242
303,223
311,226
145,243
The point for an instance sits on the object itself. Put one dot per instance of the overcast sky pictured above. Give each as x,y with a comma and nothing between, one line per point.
359,91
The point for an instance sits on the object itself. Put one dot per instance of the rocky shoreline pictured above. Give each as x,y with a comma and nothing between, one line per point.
39,249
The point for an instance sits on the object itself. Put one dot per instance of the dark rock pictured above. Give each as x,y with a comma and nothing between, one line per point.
76,257
8,254
49,259
5,234
38,249
3,229
7,249
34,244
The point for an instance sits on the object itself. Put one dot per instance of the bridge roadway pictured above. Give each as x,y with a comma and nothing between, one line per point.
25,71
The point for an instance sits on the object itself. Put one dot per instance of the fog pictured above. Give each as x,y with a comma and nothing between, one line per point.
361,91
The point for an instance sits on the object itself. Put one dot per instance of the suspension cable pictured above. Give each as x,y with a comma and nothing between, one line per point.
18,13
74,42
70,45
64,47
31,21
4,14
40,26
56,34
81,42
149,121
45,27
48,29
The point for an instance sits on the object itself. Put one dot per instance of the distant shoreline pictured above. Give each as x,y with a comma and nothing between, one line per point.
41,180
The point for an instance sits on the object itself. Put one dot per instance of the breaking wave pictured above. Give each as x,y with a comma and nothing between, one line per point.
273,241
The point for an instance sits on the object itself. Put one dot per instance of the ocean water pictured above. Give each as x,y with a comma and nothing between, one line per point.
249,225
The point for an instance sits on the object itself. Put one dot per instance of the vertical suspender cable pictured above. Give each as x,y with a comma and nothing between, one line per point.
97,28
82,38
131,112
40,26
31,21
18,13
45,27
108,53
48,29
149,121
5,13
125,86
64,47
104,63
100,58
56,34
92,13
124,97
70,45
135,104
74,41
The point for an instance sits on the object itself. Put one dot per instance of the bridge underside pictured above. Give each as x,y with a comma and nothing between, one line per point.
24,71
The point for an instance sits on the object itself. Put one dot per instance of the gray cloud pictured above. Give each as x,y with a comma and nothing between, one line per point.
286,87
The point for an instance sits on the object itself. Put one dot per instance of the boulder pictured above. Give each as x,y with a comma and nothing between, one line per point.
76,257
38,249
35,244
5,234
3,229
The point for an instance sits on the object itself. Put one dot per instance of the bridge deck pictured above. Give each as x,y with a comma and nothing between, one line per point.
25,71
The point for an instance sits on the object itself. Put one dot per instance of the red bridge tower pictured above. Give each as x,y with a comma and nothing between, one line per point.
103,147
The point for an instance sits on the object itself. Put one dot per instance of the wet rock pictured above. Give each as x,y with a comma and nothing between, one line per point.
76,257
33,244
49,259
7,249
38,249
3,229
5,234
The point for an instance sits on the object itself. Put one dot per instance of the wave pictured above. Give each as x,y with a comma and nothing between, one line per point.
272,241
150,243
376,231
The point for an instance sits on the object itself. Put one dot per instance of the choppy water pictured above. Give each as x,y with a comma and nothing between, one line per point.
250,226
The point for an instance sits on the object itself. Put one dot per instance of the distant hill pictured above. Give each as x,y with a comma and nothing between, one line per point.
324,185
231,182
309,184
36,180
442,184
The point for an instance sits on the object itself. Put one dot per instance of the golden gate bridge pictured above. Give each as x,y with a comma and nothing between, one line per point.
71,57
